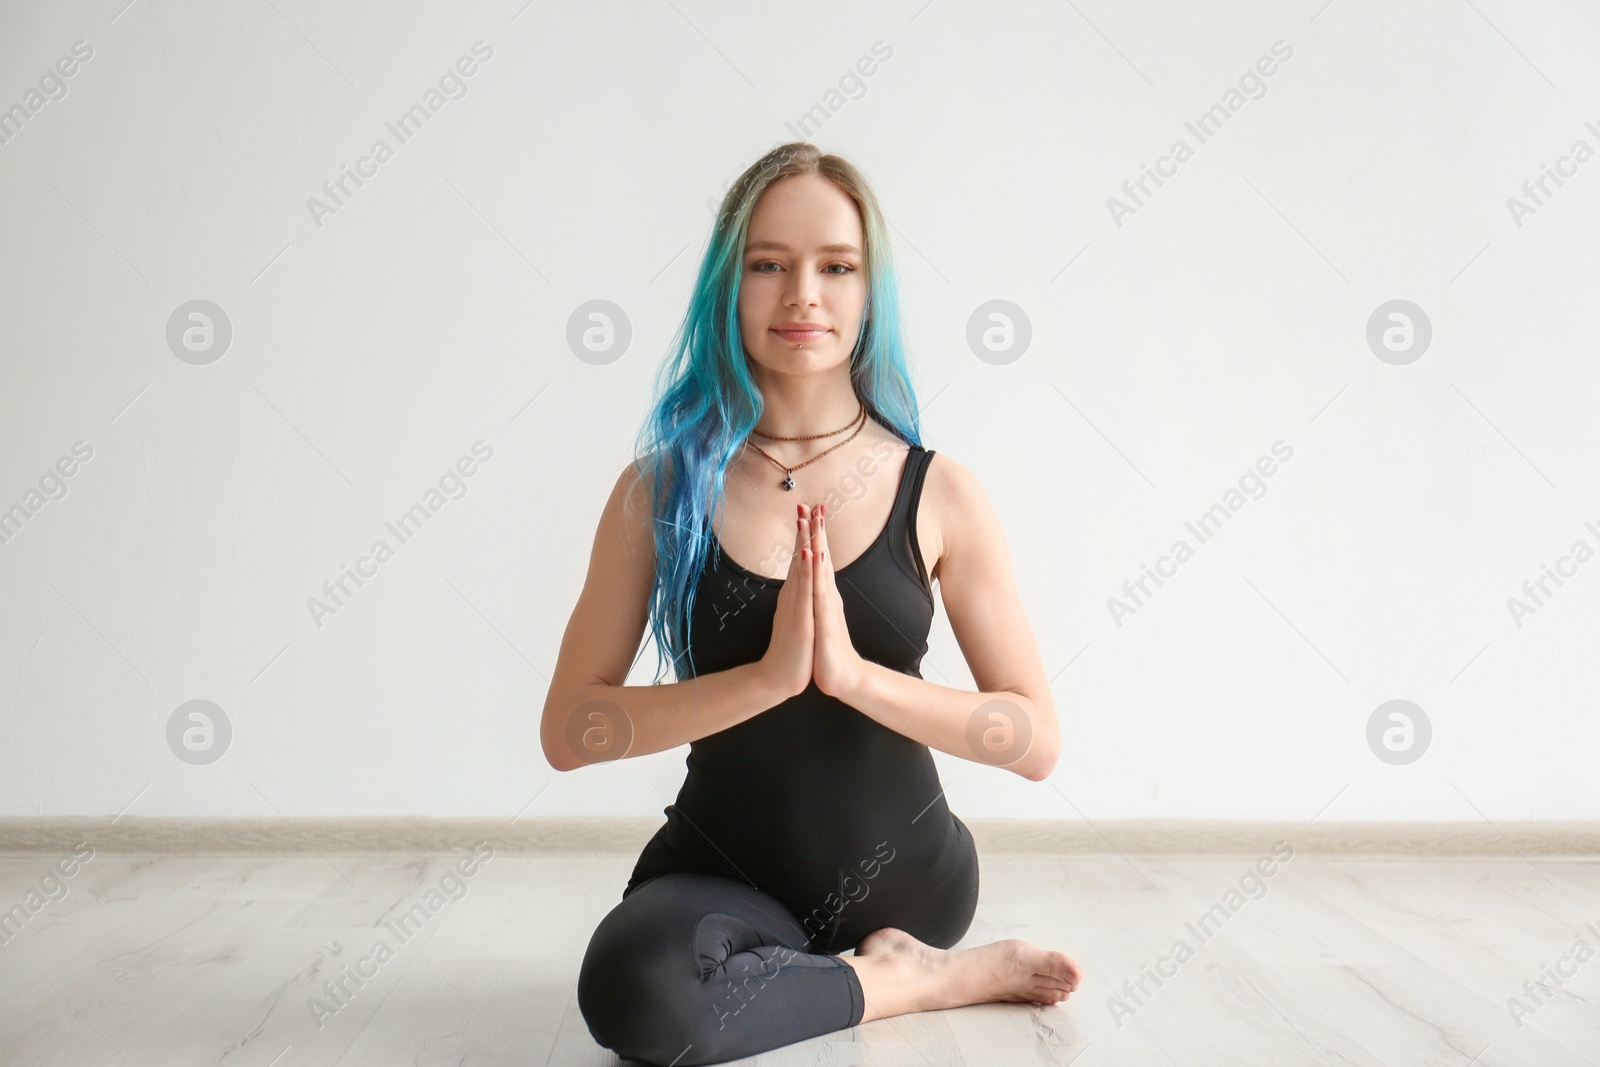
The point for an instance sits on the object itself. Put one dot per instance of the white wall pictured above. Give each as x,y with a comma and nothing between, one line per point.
372,348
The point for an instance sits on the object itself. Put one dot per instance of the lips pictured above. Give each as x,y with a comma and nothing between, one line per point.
796,331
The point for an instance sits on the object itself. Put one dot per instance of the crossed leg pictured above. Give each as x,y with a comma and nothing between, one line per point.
694,968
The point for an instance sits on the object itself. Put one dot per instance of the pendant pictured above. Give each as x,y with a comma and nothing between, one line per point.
788,480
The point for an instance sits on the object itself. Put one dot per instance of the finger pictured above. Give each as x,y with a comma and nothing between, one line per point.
802,538
808,577
819,543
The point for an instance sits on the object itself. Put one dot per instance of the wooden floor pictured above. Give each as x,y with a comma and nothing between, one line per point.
159,960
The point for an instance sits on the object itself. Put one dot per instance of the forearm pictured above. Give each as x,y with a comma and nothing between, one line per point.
1002,729
598,723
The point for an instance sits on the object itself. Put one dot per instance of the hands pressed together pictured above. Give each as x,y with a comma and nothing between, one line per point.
810,640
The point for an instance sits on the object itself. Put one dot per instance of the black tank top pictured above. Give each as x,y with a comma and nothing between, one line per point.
788,796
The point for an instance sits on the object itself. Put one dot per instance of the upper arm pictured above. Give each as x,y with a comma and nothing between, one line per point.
603,635
979,591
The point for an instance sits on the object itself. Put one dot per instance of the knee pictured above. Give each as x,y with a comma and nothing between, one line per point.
608,997
954,918
631,1007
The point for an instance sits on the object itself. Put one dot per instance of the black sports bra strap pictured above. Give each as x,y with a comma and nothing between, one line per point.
902,542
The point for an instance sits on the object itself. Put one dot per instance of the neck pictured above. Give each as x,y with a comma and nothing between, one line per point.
799,407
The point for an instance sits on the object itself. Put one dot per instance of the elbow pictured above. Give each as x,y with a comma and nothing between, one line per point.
557,756
1046,753
1040,765
552,739
576,732
1038,770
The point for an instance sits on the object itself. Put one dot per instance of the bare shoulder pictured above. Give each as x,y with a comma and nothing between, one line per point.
630,510
953,508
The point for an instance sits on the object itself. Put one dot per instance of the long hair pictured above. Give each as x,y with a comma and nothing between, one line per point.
706,402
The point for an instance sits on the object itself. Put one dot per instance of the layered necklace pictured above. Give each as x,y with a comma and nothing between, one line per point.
859,422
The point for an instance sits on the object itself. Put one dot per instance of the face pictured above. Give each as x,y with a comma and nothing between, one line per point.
803,264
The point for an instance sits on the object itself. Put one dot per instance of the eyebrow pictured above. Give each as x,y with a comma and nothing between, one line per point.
779,246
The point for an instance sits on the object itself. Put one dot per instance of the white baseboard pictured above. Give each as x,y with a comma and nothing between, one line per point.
533,836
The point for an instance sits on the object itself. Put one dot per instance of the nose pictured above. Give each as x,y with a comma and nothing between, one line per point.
804,290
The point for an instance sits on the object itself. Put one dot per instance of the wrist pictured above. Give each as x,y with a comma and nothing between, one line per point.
768,690
857,682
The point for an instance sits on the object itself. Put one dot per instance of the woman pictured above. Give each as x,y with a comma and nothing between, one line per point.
812,819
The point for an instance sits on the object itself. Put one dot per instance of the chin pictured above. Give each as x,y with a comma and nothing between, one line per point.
784,353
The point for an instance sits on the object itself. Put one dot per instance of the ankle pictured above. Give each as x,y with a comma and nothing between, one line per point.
894,984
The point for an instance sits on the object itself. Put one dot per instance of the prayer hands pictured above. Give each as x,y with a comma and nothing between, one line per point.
810,640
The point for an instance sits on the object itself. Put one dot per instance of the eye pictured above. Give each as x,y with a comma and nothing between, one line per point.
758,268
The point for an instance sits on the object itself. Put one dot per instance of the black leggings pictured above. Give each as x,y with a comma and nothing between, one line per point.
696,968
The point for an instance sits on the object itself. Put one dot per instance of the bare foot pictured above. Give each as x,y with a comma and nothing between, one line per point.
901,974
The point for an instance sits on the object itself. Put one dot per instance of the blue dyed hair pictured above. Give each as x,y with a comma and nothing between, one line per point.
706,402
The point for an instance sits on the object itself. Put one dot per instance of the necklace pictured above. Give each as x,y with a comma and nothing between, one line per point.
859,422
813,437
